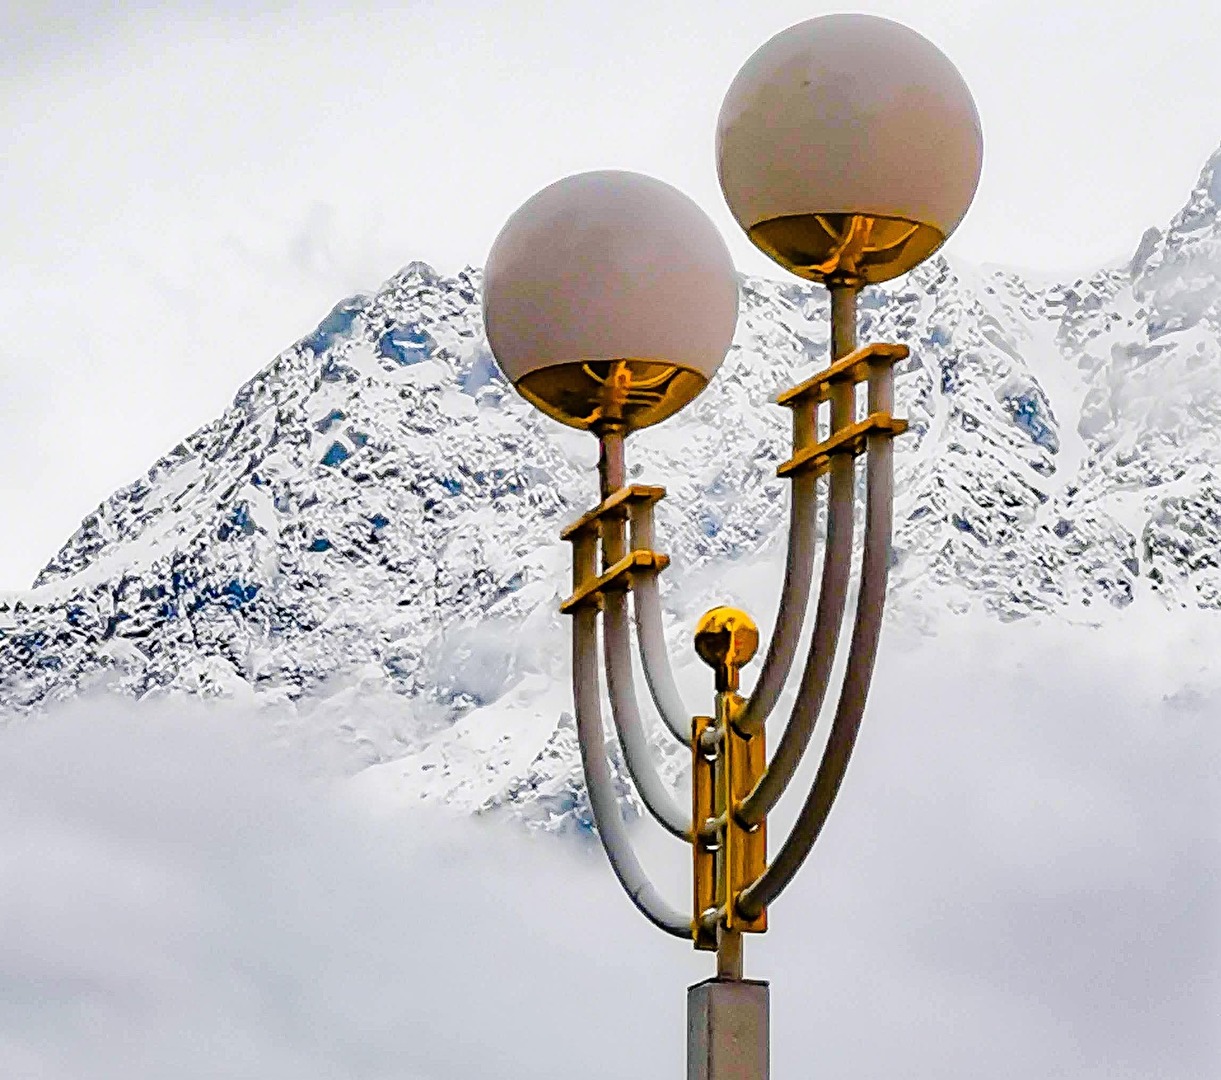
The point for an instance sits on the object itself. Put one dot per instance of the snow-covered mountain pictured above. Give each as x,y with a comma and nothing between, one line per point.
367,539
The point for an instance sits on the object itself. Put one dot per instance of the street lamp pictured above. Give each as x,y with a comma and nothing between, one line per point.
848,149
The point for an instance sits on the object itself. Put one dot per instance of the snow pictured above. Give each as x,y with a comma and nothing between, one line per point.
1061,461
300,853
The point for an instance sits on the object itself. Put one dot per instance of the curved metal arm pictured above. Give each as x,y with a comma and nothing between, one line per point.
599,783
833,592
879,514
654,657
832,597
620,683
794,599
621,687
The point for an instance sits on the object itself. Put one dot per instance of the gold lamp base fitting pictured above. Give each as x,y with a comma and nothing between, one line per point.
582,394
859,249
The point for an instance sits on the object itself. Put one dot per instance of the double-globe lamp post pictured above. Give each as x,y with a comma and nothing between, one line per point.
848,149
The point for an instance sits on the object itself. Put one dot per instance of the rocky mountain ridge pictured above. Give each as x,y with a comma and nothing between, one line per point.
376,516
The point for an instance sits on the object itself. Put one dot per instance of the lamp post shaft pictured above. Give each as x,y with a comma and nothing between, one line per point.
728,1034
843,318
612,466
729,954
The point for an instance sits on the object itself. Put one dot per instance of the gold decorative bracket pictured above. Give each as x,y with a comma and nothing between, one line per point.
857,367
726,764
849,440
586,530
853,368
745,849
614,578
624,497
704,839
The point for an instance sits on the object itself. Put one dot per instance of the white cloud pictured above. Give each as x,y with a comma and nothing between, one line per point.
1019,880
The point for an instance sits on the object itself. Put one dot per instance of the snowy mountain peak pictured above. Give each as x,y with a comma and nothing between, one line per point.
377,513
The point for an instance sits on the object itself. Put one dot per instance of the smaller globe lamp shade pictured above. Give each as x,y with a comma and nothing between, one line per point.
849,149
609,297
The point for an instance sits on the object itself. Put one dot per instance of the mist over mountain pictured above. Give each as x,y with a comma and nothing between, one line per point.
366,541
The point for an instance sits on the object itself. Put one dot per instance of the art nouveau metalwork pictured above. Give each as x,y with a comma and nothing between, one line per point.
614,556
848,150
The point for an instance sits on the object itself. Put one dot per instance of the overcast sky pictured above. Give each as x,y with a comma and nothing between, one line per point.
187,190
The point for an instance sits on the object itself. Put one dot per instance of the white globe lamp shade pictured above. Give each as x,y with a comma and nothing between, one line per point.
849,148
609,296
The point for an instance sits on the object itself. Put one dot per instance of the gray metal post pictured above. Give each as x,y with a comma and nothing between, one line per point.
727,1030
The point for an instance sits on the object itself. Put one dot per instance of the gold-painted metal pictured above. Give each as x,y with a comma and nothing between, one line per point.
726,640
857,249
635,493
840,378
584,534
726,765
853,368
849,440
744,850
728,855
584,559
614,578
703,846
639,392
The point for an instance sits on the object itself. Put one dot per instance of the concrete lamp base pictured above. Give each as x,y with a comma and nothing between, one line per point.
727,1030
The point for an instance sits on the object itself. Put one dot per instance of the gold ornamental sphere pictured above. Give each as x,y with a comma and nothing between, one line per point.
726,637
